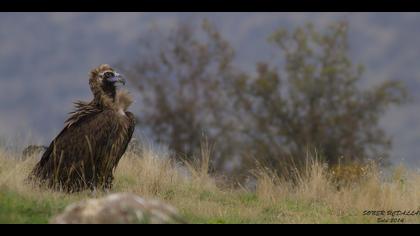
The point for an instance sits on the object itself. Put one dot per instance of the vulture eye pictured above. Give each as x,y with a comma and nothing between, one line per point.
108,75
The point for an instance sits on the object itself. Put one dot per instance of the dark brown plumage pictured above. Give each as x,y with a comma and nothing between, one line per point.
86,152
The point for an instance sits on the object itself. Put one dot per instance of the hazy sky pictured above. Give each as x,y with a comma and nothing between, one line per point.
45,59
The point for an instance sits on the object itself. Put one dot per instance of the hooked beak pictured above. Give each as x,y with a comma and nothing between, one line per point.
117,79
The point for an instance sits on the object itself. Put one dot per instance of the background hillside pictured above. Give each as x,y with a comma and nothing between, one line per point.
45,58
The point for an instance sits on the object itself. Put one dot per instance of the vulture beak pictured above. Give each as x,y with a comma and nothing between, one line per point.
117,78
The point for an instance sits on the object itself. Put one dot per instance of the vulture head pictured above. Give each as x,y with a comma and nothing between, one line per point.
103,81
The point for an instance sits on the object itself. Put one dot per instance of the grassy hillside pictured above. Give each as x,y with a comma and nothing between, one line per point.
202,199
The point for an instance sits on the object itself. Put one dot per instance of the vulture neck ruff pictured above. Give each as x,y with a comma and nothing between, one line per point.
105,97
119,101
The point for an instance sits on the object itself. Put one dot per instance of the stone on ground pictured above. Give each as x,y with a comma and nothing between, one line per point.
118,208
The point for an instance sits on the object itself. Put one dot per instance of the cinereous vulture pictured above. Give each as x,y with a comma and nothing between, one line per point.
86,152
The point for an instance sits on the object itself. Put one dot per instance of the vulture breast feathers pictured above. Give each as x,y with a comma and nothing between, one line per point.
86,152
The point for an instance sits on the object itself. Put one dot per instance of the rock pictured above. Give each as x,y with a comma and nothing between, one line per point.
118,208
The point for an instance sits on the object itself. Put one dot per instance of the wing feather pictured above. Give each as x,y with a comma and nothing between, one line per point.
92,146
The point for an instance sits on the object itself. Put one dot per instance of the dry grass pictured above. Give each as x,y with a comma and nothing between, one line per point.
315,197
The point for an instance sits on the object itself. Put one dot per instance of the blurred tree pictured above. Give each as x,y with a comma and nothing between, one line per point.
182,78
190,89
315,103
